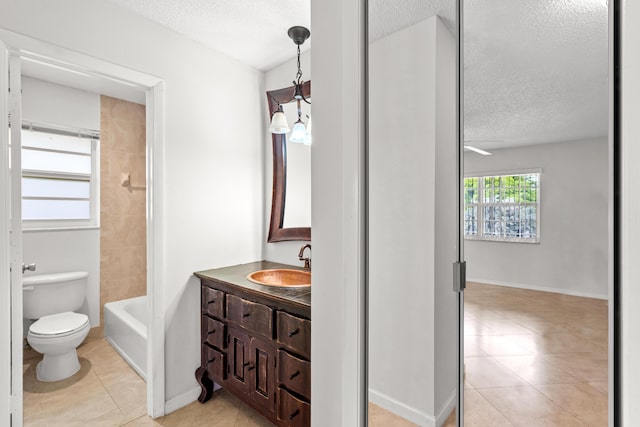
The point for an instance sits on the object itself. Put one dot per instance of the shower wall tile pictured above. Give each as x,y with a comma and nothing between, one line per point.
122,209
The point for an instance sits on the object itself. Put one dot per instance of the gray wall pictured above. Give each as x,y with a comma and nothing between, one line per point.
572,254
412,232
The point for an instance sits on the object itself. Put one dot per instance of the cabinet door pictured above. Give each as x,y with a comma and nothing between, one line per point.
239,360
262,373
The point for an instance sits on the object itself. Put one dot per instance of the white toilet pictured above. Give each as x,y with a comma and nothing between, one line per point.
52,299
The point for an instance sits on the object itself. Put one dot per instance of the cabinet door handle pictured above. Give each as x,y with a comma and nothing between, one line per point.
250,368
295,414
292,333
246,315
295,374
246,364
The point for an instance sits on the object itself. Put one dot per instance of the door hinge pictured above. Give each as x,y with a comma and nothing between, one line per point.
459,276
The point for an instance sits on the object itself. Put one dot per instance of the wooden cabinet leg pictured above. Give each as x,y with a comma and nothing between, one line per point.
205,383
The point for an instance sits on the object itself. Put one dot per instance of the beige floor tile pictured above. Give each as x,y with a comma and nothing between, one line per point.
130,395
508,345
524,406
586,366
485,372
582,400
221,410
472,346
380,417
144,421
602,387
536,370
478,412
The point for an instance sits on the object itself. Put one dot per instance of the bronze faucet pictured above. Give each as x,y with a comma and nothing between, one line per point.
301,257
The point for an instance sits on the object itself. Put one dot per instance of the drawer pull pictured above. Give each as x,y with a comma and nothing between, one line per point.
213,331
246,315
212,301
295,332
295,374
295,414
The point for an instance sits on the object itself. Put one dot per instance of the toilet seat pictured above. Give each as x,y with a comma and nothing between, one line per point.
59,325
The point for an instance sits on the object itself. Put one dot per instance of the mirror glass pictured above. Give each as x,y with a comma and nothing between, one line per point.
412,228
297,207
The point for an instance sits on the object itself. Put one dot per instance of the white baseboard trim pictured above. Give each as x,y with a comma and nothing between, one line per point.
446,409
181,400
540,288
405,411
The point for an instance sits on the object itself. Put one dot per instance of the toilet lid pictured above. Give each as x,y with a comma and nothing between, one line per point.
59,324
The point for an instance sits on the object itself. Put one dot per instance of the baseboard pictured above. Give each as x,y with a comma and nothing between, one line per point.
184,399
181,400
540,288
405,411
446,409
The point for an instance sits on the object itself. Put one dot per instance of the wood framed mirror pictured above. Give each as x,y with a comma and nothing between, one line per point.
279,229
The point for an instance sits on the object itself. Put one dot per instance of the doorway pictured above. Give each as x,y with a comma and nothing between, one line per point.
536,117
103,78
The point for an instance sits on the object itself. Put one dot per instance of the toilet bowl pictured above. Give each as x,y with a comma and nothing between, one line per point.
59,330
57,337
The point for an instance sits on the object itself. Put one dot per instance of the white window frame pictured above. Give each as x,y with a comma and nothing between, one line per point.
93,179
480,211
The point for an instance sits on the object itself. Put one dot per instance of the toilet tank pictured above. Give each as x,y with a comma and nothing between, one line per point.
47,294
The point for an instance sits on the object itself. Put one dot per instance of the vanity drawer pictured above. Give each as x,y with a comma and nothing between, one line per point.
294,373
214,331
293,411
216,363
294,333
213,302
250,315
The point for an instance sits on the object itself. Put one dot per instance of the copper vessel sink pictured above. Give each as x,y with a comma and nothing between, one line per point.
281,277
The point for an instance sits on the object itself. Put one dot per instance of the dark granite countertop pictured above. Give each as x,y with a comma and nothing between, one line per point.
236,276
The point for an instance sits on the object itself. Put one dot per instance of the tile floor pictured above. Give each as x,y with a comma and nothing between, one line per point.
107,392
532,359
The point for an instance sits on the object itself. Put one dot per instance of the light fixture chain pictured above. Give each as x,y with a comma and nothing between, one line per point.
299,74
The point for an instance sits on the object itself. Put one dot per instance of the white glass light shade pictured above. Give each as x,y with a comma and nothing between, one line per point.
279,123
298,133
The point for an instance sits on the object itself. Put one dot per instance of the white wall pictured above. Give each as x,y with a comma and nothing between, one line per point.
572,256
278,78
337,180
412,234
57,251
214,162
629,239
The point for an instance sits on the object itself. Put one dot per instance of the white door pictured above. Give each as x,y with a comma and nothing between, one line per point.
5,215
15,230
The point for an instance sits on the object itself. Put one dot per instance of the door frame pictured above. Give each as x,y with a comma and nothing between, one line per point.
155,207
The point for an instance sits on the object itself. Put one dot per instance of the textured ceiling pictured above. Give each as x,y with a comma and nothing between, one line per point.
389,16
251,31
535,70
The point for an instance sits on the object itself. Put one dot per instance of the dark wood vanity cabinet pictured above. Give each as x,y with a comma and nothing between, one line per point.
258,347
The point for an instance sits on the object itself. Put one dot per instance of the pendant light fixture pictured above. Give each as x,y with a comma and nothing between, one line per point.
299,133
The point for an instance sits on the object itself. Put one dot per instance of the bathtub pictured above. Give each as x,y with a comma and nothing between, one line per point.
125,328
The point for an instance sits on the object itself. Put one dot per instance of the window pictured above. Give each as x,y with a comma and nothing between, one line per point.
59,187
502,207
